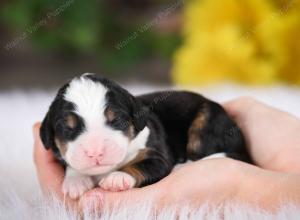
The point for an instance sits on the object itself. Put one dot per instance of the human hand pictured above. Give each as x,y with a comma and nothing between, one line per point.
51,176
215,180
272,136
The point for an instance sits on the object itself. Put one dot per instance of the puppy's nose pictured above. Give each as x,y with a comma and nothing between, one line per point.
94,153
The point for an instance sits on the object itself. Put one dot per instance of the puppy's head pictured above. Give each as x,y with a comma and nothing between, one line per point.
91,123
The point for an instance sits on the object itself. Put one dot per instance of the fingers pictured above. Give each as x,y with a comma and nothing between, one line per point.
51,176
50,173
236,107
40,153
272,135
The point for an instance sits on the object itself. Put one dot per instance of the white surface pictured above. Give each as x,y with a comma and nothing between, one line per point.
215,156
19,194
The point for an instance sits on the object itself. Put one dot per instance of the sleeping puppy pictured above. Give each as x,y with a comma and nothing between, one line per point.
105,136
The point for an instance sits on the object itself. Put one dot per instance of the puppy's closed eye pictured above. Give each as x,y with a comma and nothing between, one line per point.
117,119
71,121
110,114
69,126
68,121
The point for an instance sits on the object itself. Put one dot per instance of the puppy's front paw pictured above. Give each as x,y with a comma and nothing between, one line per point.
117,181
75,186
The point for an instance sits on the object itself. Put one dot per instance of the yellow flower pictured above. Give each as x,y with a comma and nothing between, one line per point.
249,41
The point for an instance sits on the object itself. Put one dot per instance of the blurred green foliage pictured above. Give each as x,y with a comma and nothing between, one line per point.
92,27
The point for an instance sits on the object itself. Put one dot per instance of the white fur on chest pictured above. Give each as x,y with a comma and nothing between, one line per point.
137,144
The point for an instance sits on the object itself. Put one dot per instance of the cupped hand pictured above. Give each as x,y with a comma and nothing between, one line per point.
213,180
51,175
272,136
274,143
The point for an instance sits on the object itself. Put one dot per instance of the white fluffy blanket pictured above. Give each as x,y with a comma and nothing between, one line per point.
20,197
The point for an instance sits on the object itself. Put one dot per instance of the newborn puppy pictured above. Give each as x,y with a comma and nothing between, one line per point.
105,136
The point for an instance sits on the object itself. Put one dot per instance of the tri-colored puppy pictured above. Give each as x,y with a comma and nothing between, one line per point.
105,136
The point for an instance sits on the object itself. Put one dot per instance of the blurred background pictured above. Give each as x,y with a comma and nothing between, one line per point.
44,43
161,42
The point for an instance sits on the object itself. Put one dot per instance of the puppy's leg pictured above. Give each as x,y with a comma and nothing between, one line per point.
147,168
117,181
75,184
212,131
195,143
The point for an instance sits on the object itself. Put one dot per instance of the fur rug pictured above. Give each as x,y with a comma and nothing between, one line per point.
20,197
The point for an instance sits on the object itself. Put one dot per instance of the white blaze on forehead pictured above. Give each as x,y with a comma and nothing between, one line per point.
88,97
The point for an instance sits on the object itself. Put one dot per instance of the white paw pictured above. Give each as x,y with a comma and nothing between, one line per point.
117,181
75,186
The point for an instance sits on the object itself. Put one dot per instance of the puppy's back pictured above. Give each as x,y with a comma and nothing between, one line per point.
196,127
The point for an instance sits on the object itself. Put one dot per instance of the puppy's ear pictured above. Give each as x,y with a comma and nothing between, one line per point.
47,132
140,115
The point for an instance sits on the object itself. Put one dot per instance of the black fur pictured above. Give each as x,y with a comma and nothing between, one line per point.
169,116
54,126
122,101
176,111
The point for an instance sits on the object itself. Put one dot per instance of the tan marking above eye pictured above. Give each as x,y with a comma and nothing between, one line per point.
110,115
130,131
61,146
71,121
